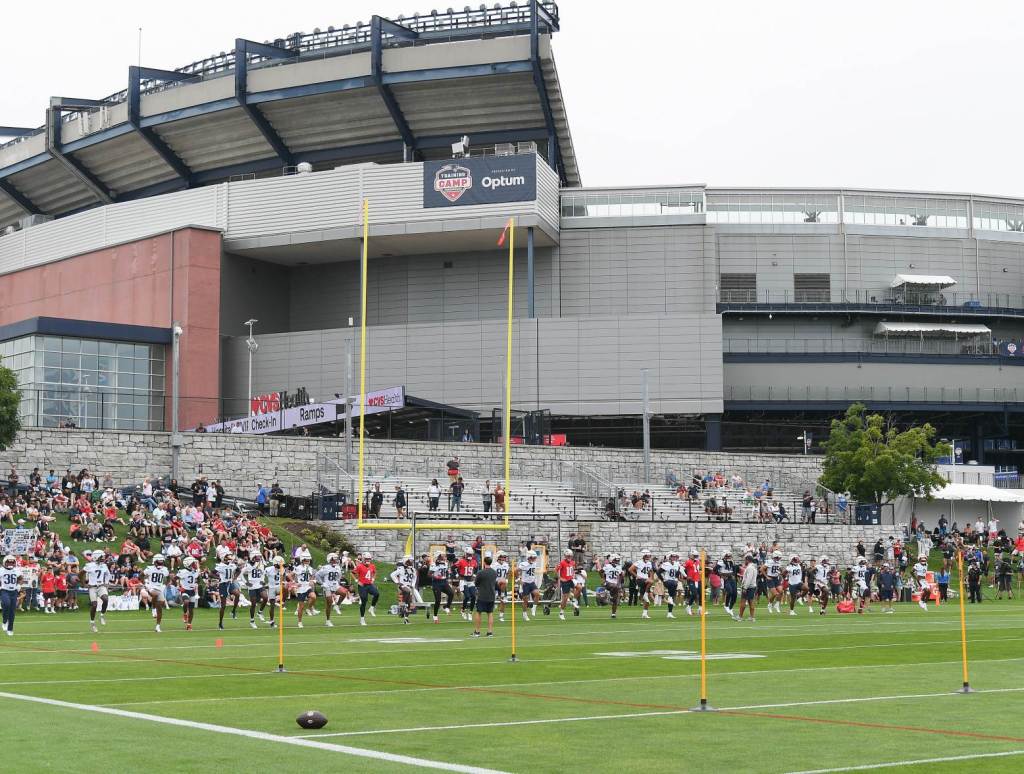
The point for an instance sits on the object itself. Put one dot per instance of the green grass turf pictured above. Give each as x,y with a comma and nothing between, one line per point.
367,688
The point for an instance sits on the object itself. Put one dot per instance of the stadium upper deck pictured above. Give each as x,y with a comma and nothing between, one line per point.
389,90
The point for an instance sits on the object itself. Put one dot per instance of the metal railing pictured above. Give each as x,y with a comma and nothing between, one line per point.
332,478
951,299
588,482
855,393
878,346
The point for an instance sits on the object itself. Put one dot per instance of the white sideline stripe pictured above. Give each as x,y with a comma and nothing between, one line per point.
306,672
262,736
917,762
502,724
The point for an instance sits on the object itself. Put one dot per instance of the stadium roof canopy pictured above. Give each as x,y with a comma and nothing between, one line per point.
383,91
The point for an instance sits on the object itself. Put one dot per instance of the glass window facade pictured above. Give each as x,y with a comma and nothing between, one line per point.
110,385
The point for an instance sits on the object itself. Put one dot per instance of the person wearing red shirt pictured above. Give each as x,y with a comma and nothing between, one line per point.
566,576
47,584
366,574
60,589
691,568
465,569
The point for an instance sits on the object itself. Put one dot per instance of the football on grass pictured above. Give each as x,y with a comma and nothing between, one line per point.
312,719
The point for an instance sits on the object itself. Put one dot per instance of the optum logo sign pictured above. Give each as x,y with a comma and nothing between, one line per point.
502,182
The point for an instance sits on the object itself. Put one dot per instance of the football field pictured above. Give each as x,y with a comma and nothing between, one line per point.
793,694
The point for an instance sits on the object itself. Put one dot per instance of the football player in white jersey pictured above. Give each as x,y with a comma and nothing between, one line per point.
188,582
921,576
254,576
612,575
643,571
580,582
304,577
275,580
502,569
794,582
670,572
329,578
404,578
155,578
97,576
529,583
773,581
862,583
227,578
10,588
440,585
821,581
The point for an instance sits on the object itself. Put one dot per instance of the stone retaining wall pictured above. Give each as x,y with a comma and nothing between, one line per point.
240,461
629,539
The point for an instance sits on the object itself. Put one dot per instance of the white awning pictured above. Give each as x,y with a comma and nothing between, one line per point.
979,492
933,329
929,280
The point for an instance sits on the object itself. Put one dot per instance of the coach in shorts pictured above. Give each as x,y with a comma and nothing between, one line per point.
486,584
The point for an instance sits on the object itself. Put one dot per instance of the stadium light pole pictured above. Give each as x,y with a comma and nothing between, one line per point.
252,346
176,332
348,405
647,426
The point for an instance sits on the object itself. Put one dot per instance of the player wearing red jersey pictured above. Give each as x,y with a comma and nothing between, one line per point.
366,575
566,576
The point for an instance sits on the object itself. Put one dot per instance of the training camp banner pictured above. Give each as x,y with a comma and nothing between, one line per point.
481,180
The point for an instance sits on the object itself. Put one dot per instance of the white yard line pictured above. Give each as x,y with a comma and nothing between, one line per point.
627,715
259,735
918,762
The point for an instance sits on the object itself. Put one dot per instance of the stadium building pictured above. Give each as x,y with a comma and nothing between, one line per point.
231,190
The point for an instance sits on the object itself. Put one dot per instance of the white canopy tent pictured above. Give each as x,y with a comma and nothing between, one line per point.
966,502
933,329
979,493
937,281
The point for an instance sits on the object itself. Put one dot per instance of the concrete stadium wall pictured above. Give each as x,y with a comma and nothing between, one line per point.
586,365
868,261
240,461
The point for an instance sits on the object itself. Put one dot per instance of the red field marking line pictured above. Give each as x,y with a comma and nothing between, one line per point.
879,726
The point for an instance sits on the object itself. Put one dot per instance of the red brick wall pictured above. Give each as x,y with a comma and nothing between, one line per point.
131,284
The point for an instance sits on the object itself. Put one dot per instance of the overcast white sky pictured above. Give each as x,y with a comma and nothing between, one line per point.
899,94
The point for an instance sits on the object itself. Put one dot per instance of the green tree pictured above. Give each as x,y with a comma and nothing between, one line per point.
876,462
10,397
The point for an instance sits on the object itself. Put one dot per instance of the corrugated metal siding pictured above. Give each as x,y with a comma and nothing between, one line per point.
635,271
419,289
295,203
577,362
111,225
264,207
